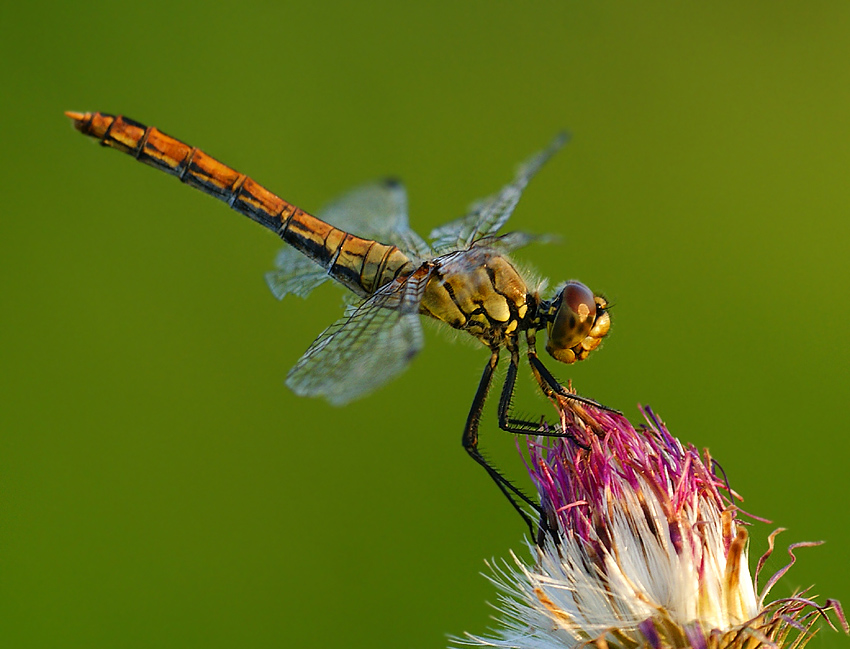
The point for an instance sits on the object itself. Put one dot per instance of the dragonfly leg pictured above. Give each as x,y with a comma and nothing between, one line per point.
513,424
549,384
547,525
470,442
524,426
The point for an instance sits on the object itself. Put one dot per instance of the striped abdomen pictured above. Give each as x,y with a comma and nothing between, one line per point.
362,265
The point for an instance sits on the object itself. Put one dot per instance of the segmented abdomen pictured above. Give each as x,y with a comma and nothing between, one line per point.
362,265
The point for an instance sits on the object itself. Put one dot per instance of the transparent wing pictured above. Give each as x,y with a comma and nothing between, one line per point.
507,243
296,274
377,211
488,215
365,348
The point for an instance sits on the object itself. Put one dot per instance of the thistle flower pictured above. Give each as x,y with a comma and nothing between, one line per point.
645,549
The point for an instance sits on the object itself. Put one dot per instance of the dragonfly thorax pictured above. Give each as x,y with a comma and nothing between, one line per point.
478,291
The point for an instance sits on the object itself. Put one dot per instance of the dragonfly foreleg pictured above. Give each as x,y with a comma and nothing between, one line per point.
550,385
470,442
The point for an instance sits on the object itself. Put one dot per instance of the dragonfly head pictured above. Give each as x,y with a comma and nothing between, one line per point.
576,321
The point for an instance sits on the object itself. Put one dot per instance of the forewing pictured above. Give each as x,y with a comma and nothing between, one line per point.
487,216
365,348
377,211
507,243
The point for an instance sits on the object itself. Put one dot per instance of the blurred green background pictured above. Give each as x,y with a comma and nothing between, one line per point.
160,485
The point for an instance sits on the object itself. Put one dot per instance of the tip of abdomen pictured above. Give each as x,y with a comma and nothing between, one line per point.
79,119
94,124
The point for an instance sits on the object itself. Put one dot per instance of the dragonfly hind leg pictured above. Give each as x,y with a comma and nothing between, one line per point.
470,442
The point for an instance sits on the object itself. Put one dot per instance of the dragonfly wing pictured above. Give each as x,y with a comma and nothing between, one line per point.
377,211
365,348
507,243
296,274
487,216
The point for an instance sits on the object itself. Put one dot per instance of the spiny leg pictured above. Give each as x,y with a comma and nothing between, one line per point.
513,424
470,443
549,384
523,426
548,524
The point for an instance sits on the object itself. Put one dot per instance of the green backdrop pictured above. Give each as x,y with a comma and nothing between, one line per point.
160,485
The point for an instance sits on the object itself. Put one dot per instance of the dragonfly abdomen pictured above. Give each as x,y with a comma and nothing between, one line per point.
361,265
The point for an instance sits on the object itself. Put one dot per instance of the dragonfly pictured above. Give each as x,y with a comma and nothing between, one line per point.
461,276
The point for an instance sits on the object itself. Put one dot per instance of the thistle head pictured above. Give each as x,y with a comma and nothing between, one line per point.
645,548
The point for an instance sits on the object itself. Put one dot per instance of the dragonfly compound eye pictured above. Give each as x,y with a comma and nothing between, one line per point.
576,325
